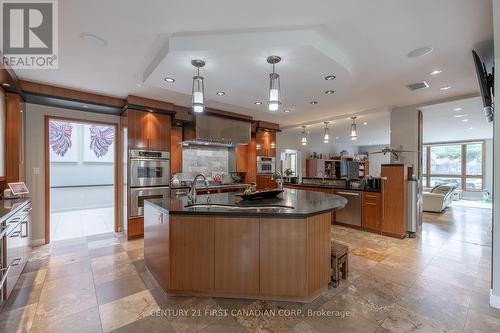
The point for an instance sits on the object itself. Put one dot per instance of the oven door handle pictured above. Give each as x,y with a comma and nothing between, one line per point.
149,188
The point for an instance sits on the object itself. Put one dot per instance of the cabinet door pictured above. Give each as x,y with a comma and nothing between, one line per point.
241,158
372,211
176,149
394,200
251,175
138,128
159,131
265,181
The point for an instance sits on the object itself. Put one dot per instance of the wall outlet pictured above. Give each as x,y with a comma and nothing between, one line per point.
36,171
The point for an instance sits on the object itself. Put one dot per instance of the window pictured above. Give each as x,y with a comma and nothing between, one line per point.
460,164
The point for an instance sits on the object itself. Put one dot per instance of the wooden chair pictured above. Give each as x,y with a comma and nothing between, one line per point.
339,263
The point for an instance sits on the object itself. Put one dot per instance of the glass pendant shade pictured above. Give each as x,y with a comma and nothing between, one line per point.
326,136
354,130
303,140
274,92
198,94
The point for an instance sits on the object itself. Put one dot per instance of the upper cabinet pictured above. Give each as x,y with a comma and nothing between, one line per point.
148,130
176,149
266,143
14,138
241,153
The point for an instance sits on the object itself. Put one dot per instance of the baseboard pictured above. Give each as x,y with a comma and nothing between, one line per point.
37,242
494,300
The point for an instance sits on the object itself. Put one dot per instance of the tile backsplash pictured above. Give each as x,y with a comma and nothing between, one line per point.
205,160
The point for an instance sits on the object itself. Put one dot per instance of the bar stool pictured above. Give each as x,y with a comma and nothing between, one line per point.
339,263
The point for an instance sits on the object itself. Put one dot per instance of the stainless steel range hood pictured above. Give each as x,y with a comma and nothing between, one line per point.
220,131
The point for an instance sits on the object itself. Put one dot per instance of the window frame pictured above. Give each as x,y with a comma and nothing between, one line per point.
463,160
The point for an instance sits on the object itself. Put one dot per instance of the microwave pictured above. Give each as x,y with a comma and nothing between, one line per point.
266,165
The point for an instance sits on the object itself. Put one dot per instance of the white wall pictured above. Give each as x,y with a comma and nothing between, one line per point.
35,155
375,161
495,293
80,172
289,140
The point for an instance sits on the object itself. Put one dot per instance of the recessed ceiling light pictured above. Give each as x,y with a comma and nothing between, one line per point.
365,123
138,84
313,102
436,72
93,39
221,93
460,115
286,111
336,138
465,120
330,77
470,127
5,84
457,109
329,92
85,106
420,52
445,88
169,79
257,103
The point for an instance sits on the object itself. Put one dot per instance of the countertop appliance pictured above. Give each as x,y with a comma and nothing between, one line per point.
266,165
351,213
149,168
149,178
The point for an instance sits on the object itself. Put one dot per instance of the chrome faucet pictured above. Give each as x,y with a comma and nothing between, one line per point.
192,191
322,176
278,181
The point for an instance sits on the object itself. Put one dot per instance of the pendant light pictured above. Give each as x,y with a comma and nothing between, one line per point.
274,86
303,140
198,93
354,130
326,137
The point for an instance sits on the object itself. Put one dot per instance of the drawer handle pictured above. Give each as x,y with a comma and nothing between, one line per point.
15,234
370,204
5,273
15,262
370,196
346,193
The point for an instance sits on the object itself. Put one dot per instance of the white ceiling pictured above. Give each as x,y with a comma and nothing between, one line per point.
441,125
374,37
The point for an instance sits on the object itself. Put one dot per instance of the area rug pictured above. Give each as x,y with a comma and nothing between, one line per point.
368,254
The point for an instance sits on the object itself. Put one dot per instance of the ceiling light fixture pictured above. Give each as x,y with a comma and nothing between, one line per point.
445,88
330,77
313,102
420,52
460,115
169,80
93,39
326,137
436,72
221,93
465,120
274,85
198,92
303,139
257,103
354,130
329,92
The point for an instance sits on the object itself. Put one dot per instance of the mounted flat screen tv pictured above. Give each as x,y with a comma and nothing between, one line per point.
485,85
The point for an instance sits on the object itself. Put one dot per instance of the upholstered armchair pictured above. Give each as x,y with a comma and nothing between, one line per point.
436,199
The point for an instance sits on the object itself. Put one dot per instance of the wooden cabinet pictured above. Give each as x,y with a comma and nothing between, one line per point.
266,143
265,181
188,133
372,211
251,173
241,153
148,130
394,200
135,227
14,138
176,149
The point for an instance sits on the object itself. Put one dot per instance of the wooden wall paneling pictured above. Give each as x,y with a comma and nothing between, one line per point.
189,133
283,238
192,253
318,251
138,129
251,175
241,158
14,138
236,255
176,149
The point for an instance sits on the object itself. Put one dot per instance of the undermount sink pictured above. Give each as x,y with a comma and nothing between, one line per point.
214,205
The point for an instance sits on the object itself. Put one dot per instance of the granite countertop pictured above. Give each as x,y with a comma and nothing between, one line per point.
9,207
304,203
333,187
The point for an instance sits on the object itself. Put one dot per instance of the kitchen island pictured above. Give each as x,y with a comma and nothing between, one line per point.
275,249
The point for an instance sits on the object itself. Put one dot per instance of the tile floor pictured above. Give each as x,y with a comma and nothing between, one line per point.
438,282
81,223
